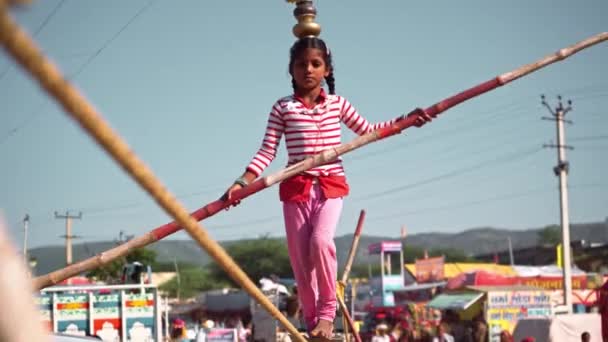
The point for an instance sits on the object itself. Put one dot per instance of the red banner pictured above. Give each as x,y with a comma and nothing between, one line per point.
554,283
430,269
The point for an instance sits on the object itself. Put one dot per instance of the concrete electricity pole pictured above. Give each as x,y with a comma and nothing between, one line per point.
561,170
26,222
68,234
511,252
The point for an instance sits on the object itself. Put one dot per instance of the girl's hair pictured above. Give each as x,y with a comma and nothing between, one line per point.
313,43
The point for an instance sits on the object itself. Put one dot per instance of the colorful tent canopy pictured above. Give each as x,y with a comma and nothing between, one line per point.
453,269
455,301
479,278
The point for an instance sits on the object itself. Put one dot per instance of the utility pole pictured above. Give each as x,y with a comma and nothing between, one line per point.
179,280
511,252
561,170
68,234
26,222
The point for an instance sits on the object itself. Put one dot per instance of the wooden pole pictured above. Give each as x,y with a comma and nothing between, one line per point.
353,247
346,320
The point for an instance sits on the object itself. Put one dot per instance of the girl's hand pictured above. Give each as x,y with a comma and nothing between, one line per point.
421,117
227,196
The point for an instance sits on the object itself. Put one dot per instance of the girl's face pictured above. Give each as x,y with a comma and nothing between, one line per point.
309,69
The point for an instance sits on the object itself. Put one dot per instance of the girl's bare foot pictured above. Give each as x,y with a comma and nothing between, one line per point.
324,329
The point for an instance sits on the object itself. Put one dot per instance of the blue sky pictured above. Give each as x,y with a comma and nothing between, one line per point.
189,86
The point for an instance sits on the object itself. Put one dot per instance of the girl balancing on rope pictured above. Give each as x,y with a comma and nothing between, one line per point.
312,201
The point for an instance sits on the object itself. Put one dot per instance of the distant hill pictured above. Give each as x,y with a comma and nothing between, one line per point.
472,242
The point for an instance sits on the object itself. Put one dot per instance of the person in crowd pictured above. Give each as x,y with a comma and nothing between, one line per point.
178,331
442,334
381,333
505,336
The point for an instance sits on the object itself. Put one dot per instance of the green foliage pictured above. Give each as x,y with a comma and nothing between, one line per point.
170,266
363,270
451,255
550,235
258,258
189,282
109,273
411,253
112,271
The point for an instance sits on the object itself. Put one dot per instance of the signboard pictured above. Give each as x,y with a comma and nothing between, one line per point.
554,283
505,308
71,313
430,269
106,313
45,306
384,246
112,312
221,335
414,296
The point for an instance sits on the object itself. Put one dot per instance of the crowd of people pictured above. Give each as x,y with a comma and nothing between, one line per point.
180,333
449,329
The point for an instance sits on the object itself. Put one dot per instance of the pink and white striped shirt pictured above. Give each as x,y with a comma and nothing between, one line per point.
308,131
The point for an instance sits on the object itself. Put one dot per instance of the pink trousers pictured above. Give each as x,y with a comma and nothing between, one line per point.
310,227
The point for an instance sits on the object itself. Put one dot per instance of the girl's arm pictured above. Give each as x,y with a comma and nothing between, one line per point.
270,144
266,153
357,123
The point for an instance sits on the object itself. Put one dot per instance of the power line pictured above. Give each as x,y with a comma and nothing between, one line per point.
48,17
81,68
92,211
590,137
116,35
37,31
496,161
16,129
246,223
459,205
448,131
499,115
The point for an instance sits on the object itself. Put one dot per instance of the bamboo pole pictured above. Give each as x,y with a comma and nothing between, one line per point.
353,247
347,321
24,51
321,158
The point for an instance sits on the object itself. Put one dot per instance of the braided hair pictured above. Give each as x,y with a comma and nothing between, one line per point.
313,43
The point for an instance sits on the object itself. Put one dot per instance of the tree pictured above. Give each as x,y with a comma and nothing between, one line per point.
190,281
362,270
452,254
112,271
550,235
258,258
411,253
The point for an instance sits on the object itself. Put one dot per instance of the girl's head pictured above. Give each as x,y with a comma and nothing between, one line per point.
309,64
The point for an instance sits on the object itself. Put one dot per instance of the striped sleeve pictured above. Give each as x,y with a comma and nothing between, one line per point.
357,123
270,144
